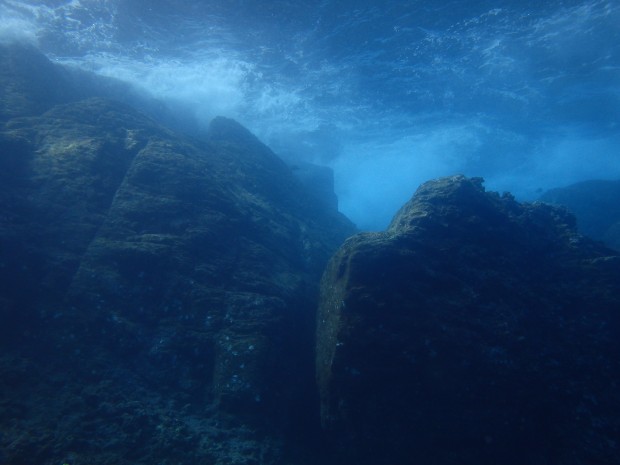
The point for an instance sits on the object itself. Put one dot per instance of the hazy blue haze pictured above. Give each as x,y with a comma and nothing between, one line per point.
388,93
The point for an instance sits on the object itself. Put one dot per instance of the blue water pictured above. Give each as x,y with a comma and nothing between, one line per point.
387,93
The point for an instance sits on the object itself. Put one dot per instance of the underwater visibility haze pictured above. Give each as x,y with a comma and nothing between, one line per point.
283,232
387,93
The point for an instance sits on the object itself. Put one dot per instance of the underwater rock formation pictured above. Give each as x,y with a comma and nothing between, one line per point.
157,293
596,204
475,330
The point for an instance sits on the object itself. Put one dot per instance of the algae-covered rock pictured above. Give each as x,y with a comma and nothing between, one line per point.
158,293
475,330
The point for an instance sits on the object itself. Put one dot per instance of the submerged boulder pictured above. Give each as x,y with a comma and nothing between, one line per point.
158,293
475,330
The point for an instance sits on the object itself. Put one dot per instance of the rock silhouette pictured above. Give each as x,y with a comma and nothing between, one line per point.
475,330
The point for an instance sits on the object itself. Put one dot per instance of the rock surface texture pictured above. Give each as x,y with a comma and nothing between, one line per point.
475,330
157,293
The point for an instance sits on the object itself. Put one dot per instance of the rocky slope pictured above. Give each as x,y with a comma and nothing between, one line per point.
157,293
475,330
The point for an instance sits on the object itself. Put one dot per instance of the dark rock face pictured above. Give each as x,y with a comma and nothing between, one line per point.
157,294
596,204
475,330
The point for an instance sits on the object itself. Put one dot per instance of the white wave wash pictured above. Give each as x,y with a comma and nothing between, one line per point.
514,97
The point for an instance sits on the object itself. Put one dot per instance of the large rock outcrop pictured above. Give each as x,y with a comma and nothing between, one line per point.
475,330
157,293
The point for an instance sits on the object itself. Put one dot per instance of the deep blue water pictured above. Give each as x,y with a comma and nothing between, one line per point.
388,93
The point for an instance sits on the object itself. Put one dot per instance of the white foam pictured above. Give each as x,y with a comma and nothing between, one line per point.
503,67
210,87
374,180
18,24
17,30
